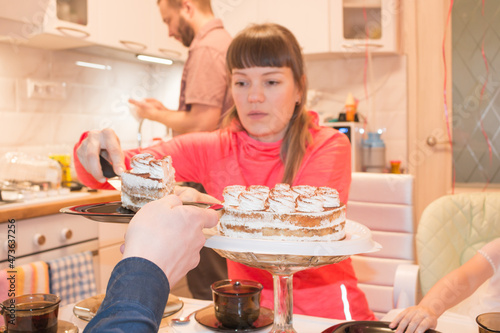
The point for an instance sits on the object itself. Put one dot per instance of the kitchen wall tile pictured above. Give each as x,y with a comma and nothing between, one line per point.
64,68
394,125
20,129
396,150
23,62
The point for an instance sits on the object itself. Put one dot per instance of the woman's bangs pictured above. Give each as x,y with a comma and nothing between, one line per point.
259,52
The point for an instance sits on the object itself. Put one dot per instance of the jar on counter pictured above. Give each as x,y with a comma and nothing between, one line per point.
373,153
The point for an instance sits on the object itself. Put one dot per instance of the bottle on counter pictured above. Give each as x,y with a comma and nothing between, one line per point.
350,108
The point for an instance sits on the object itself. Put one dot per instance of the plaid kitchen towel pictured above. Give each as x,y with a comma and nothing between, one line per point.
72,277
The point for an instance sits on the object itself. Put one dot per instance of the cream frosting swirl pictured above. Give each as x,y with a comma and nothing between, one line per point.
330,196
231,194
309,204
252,200
281,187
156,169
306,190
140,163
281,201
259,189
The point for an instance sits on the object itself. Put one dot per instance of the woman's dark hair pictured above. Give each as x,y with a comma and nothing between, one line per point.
272,45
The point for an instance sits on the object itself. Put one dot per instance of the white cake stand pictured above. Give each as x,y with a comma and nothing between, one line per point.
283,259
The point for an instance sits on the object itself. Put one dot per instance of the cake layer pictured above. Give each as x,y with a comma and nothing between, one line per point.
327,225
148,180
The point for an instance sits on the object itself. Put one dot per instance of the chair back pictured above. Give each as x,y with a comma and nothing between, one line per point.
383,203
451,230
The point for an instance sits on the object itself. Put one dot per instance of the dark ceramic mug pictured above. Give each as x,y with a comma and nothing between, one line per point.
31,313
236,302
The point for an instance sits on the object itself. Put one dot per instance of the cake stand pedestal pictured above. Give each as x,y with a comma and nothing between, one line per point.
268,255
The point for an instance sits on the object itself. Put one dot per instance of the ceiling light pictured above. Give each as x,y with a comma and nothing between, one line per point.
92,65
154,59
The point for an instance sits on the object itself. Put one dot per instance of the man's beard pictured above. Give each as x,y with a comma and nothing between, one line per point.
186,32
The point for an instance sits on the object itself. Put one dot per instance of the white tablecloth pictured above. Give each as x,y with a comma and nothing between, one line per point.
447,323
302,324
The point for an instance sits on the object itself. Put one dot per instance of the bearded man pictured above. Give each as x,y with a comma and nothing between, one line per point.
204,96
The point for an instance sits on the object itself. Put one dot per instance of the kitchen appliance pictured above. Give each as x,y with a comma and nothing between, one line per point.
46,238
354,132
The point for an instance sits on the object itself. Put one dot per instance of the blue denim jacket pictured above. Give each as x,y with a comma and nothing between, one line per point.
135,299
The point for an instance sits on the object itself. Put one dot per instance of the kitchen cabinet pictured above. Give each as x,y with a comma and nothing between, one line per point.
351,20
325,26
236,14
162,44
125,24
51,24
136,26
309,23
111,237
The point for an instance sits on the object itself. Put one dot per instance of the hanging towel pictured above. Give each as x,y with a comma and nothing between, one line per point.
72,277
31,278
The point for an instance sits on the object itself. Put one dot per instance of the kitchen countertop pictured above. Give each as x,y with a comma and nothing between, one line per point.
52,205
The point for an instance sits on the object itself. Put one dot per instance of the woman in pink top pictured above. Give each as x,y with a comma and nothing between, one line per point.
268,138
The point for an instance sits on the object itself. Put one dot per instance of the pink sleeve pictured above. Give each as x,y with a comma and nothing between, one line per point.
83,176
190,155
328,163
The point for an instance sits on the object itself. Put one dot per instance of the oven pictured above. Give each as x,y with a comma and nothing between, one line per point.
46,238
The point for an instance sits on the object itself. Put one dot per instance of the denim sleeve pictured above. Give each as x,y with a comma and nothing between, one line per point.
135,299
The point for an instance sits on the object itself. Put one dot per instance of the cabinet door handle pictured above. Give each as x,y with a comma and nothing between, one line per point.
66,234
170,53
133,45
39,239
361,45
71,32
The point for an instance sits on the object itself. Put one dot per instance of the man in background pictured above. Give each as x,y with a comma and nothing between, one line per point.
204,96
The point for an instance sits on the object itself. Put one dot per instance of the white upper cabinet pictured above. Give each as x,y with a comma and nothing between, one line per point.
236,14
51,24
163,45
353,20
126,24
307,20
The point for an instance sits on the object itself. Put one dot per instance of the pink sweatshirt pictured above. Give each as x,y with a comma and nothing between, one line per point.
222,158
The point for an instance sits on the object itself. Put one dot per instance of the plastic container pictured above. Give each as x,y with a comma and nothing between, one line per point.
19,167
373,148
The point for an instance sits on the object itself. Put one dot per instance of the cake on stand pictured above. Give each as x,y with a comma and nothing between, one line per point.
282,259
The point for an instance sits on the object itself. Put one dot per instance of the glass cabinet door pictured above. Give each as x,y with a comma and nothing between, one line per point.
362,17
74,11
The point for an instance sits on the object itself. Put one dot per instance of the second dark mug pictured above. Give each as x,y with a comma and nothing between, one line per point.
236,302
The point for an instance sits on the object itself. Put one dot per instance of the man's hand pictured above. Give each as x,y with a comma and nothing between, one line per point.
169,234
149,108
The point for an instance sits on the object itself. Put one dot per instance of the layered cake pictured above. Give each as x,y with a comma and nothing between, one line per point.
299,213
148,179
